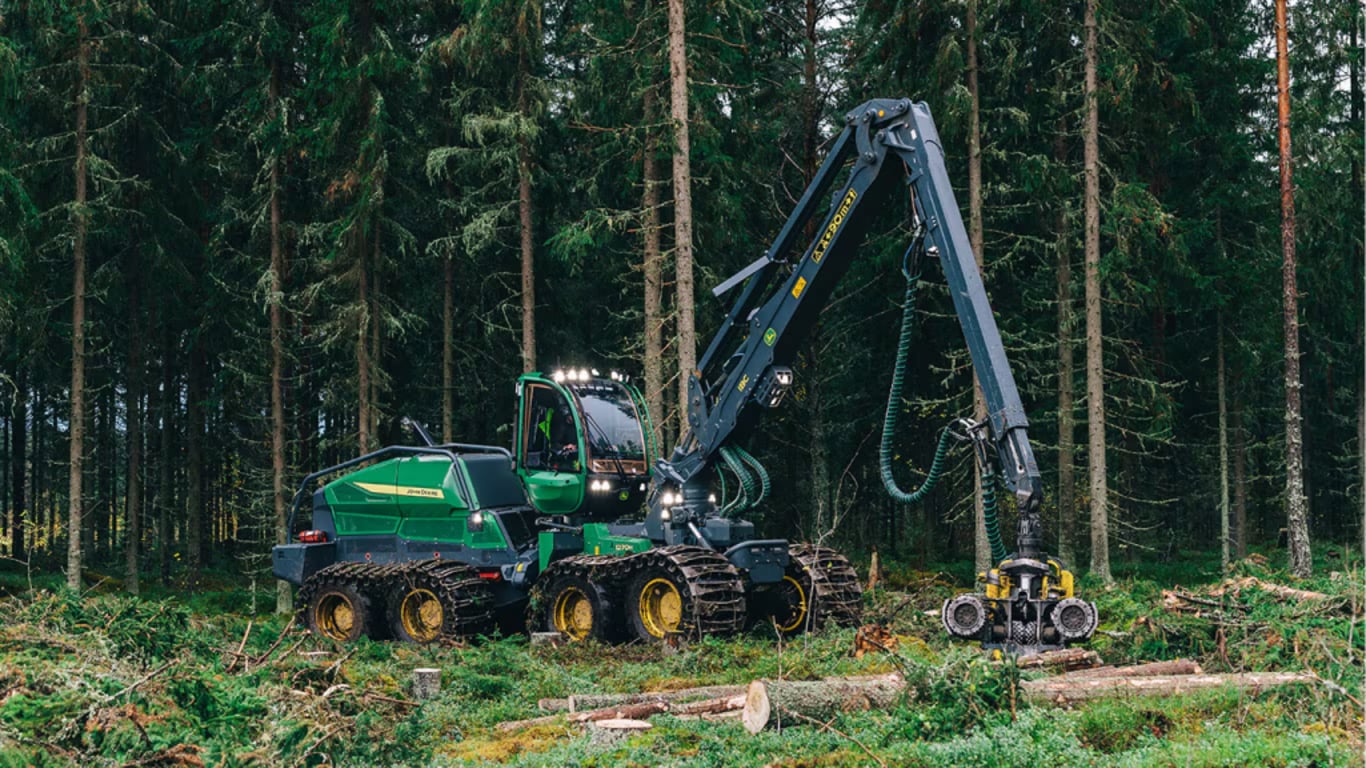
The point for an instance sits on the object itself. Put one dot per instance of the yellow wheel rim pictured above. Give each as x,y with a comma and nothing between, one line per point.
422,615
794,620
661,607
573,613
336,616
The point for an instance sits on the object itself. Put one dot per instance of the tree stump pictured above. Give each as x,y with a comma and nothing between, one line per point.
426,683
767,700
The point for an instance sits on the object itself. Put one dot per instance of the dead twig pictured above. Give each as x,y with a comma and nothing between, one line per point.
838,732
237,654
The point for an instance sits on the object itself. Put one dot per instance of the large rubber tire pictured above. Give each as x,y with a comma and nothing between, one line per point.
579,609
658,605
785,606
340,612
434,600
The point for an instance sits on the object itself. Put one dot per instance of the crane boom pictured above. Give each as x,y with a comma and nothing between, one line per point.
884,141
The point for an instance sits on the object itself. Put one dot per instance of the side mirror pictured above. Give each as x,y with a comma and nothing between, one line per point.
475,522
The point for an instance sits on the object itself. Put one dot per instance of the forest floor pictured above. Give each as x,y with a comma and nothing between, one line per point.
166,681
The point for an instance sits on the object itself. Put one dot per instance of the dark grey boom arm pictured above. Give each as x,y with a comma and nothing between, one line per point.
888,142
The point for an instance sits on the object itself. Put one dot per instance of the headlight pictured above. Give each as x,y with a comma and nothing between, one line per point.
665,515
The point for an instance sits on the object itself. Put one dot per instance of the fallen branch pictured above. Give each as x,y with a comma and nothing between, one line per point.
1065,690
626,712
1279,590
145,678
1156,668
237,655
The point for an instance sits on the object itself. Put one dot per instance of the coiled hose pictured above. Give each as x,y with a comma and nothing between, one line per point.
941,451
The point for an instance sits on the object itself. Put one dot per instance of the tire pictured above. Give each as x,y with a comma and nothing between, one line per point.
658,605
432,600
340,612
579,609
785,606
835,595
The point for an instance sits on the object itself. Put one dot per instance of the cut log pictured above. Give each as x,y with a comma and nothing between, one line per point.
1067,690
426,683
552,639
580,703
1177,667
710,706
623,724
1067,659
628,711
767,700
553,705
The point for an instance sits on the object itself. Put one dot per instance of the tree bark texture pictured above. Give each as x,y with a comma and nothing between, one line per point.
981,549
1239,481
132,540
767,701
654,274
448,353
1175,667
1296,506
165,491
525,222
284,593
1222,386
1066,690
1095,360
194,463
682,184
363,372
76,467
1067,424
18,444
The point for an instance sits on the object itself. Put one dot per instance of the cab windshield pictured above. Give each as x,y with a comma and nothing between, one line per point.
610,417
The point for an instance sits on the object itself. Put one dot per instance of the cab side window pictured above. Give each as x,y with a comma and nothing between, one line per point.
551,440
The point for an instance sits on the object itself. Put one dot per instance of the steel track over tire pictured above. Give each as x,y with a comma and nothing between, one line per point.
835,595
571,603
338,602
432,600
683,590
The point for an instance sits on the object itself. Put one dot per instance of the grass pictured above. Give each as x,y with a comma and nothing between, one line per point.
109,680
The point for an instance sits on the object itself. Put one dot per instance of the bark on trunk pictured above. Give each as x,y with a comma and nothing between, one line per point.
284,593
1064,690
682,184
165,490
1067,425
1176,667
654,274
363,352
132,544
448,354
586,702
1095,364
524,218
1297,513
1239,481
769,701
77,421
981,548
194,465
18,444
1067,659
1222,386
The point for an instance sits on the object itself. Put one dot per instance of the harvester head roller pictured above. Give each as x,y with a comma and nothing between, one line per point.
964,616
1074,618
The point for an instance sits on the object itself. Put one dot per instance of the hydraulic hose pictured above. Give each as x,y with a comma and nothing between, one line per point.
759,471
894,410
989,520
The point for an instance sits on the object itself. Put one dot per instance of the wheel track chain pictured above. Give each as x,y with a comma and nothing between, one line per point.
837,595
465,599
716,589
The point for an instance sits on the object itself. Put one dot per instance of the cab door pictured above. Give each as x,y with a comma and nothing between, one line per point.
550,448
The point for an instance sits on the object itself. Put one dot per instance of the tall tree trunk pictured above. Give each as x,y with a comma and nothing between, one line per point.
284,593
194,464
1239,479
76,466
1095,361
524,219
132,540
1223,447
363,389
448,353
1067,483
682,183
18,444
377,380
1296,507
165,488
1358,106
654,273
981,549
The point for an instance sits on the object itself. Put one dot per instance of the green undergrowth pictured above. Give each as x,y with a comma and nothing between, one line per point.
109,680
